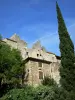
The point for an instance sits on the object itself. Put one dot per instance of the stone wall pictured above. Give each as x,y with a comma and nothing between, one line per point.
16,43
48,69
33,73
39,53
55,71
13,44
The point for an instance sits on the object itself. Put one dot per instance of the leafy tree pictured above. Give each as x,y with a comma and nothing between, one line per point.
38,93
10,66
10,63
26,93
15,74
67,69
4,50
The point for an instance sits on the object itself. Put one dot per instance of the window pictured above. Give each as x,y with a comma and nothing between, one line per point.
26,53
37,55
52,58
40,54
28,70
40,75
39,64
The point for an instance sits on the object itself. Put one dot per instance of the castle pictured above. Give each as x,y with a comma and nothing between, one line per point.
39,62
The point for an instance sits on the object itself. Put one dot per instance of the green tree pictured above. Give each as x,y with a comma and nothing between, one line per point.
10,65
27,93
38,93
15,69
67,69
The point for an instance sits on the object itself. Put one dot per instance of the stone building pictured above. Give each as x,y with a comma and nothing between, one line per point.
39,62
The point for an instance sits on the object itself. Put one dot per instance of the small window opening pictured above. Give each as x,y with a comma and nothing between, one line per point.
52,58
40,75
37,55
26,53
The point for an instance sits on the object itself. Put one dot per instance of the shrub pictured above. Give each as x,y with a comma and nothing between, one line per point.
48,81
39,93
19,94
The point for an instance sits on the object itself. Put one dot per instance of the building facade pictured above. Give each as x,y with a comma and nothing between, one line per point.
39,62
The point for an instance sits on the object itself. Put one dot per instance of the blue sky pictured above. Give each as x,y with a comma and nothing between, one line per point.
36,20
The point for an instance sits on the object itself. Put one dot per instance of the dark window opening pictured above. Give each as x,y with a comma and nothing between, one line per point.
39,68
26,53
28,70
37,55
40,75
52,58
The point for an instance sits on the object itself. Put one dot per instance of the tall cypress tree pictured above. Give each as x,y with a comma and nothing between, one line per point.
67,69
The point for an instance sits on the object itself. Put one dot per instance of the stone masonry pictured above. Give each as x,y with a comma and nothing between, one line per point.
39,62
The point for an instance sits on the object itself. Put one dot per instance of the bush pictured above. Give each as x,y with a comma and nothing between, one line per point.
44,93
19,94
49,81
39,93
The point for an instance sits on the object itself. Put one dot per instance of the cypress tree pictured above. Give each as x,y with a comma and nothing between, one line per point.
67,69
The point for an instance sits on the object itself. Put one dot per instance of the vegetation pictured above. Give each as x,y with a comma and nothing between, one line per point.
10,66
67,69
38,93
12,71
19,94
48,81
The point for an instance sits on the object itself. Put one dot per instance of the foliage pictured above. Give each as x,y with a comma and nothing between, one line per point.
10,63
38,93
11,69
48,81
44,93
10,66
50,93
67,69
19,94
